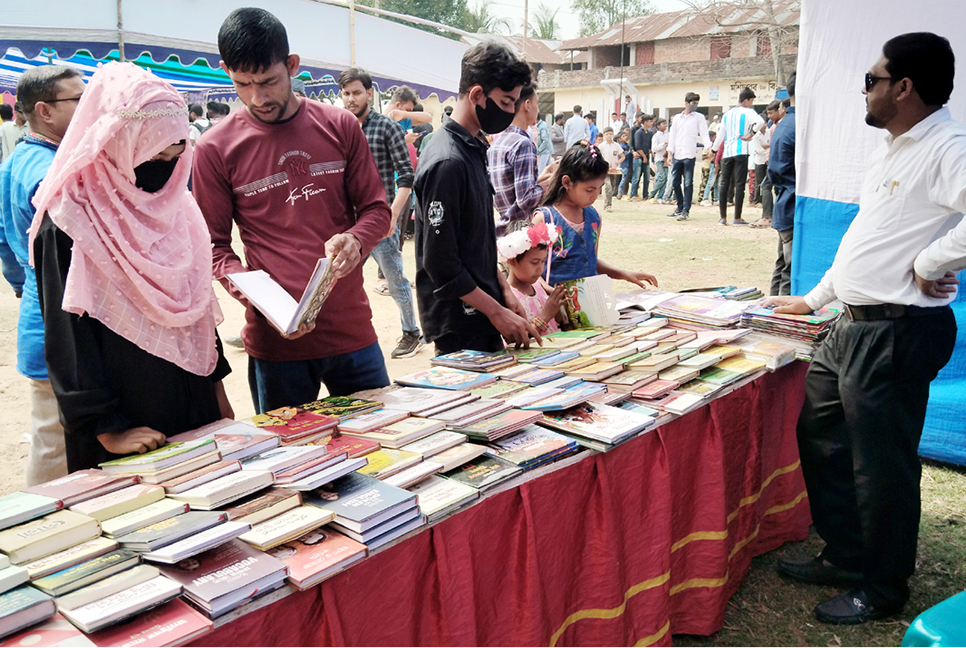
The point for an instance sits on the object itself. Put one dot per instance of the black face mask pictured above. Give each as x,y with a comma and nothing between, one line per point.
151,176
493,119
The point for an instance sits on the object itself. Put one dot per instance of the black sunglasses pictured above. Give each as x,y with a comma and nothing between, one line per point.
870,81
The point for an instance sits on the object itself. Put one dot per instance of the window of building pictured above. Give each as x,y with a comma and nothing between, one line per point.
720,47
764,45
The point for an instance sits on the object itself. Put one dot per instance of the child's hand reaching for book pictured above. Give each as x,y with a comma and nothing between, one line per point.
554,300
134,440
640,277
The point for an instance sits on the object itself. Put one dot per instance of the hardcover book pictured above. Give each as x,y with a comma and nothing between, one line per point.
119,502
163,457
318,555
90,571
484,473
438,496
400,525
69,557
435,443
171,624
17,508
142,517
221,579
360,502
342,407
287,526
81,485
225,489
23,607
599,422
386,462
106,586
47,535
279,307
196,544
372,421
123,605
171,530
263,506
447,378
293,423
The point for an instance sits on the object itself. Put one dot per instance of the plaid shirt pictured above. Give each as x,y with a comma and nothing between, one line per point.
513,170
388,145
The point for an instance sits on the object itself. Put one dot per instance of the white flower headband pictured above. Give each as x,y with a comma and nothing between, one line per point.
516,243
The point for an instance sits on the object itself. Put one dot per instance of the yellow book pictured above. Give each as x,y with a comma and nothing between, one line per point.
47,535
744,366
386,462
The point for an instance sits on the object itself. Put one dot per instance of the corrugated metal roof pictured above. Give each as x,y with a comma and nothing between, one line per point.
722,19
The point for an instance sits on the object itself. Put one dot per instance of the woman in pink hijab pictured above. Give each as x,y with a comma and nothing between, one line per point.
123,261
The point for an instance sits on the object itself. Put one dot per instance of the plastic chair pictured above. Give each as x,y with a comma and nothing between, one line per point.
943,624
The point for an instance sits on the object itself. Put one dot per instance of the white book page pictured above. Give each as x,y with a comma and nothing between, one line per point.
269,297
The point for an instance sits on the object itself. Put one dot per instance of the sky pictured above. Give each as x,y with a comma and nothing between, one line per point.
566,16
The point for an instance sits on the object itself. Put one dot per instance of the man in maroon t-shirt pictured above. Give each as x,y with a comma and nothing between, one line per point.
299,181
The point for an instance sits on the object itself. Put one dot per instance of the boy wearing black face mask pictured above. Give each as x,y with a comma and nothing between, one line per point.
686,129
464,301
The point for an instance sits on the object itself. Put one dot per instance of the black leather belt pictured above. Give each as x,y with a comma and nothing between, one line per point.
889,312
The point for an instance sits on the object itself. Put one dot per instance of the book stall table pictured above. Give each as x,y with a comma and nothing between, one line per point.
620,548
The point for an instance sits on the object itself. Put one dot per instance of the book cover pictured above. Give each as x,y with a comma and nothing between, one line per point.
119,502
744,366
55,631
315,480
47,535
301,471
172,624
75,577
177,470
483,473
471,410
12,576
241,441
511,373
531,444
501,424
699,387
201,476
142,517
386,462
279,459
372,421
171,530
253,509
70,556
678,374
499,389
123,604
596,421
106,586
318,555
416,400
414,474
221,571
17,508
293,422
225,489
539,376
446,378
458,455
438,496
342,407
473,360
598,371
285,527
354,446
655,389
197,543
81,485
359,499
435,443
277,305
163,457
22,607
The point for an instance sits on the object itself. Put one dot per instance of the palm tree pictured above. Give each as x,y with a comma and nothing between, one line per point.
545,22
481,20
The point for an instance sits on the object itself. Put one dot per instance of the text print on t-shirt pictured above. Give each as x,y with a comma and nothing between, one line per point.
297,168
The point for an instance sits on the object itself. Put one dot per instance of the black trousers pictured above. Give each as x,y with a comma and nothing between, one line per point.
858,437
763,192
732,168
453,342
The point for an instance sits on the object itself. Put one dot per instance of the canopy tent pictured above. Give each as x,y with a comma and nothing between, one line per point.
834,144
328,37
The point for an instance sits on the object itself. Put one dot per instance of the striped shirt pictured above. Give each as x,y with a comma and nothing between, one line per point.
737,123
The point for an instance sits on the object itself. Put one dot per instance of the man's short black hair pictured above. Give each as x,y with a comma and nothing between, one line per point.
6,112
660,121
787,103
448,110
645,117
196,109
691,96
590,116
40,84
790,85
404,94
558,117
526,92
578,109
924,58
746,94
355,74
491,64
252,40
774,105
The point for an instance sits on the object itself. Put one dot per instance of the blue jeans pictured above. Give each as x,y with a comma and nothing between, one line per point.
389,259
543,161
683,169
711,188
625,181
277,384
660,180
641,170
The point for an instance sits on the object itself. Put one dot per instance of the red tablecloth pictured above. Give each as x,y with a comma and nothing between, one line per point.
621,548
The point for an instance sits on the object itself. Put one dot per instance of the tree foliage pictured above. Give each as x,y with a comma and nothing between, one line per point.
598,15
545,22
482,20
447,12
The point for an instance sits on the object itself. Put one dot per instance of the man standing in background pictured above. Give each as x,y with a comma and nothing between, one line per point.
781,173
641,146
557,136
737,128
577,128
688,127
13,131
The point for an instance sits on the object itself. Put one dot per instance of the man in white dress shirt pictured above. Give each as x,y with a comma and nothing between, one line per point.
868,385
686,129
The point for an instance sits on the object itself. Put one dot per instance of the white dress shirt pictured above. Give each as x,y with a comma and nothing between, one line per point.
686,128
659,145
759,143
910,216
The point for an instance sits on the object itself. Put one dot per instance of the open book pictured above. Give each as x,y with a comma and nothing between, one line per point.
277,305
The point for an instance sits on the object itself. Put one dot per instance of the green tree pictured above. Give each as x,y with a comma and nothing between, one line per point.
447,12
482,20
545,22
598,15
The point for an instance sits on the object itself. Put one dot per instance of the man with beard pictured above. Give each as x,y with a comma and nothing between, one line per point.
388,144
868,384
297,178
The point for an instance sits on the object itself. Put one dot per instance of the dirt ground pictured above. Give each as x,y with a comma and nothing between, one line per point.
635,236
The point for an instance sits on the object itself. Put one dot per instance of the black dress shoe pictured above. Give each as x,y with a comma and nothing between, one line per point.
819,571
853,608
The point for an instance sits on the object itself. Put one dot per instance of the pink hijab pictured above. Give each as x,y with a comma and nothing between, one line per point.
141,262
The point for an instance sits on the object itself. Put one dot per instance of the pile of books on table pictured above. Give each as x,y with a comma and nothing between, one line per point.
801,332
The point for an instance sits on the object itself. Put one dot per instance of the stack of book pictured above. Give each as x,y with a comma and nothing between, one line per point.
692,311
438,497
319,470
495,427
296,425
367,510
317,556
236,440
263,506
222,579
483,473
775,352
371,421
596,426
447,378
22,607
387,462
419,401
77,487
182,536
400,433
287,526
47,535
534,446
342,407
221,491
802,331
11,575
122,605
167,462
91,571
472,412
475,360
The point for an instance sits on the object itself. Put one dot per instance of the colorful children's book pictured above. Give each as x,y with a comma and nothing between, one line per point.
447,378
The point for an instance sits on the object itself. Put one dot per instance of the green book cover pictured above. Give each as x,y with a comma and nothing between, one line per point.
164,453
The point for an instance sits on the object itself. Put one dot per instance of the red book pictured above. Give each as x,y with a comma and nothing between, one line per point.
354,446
173,624
292,423
318,555
82,485
296,473
656,389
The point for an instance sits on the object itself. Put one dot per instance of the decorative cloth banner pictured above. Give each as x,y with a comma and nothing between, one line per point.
839,42
621,548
